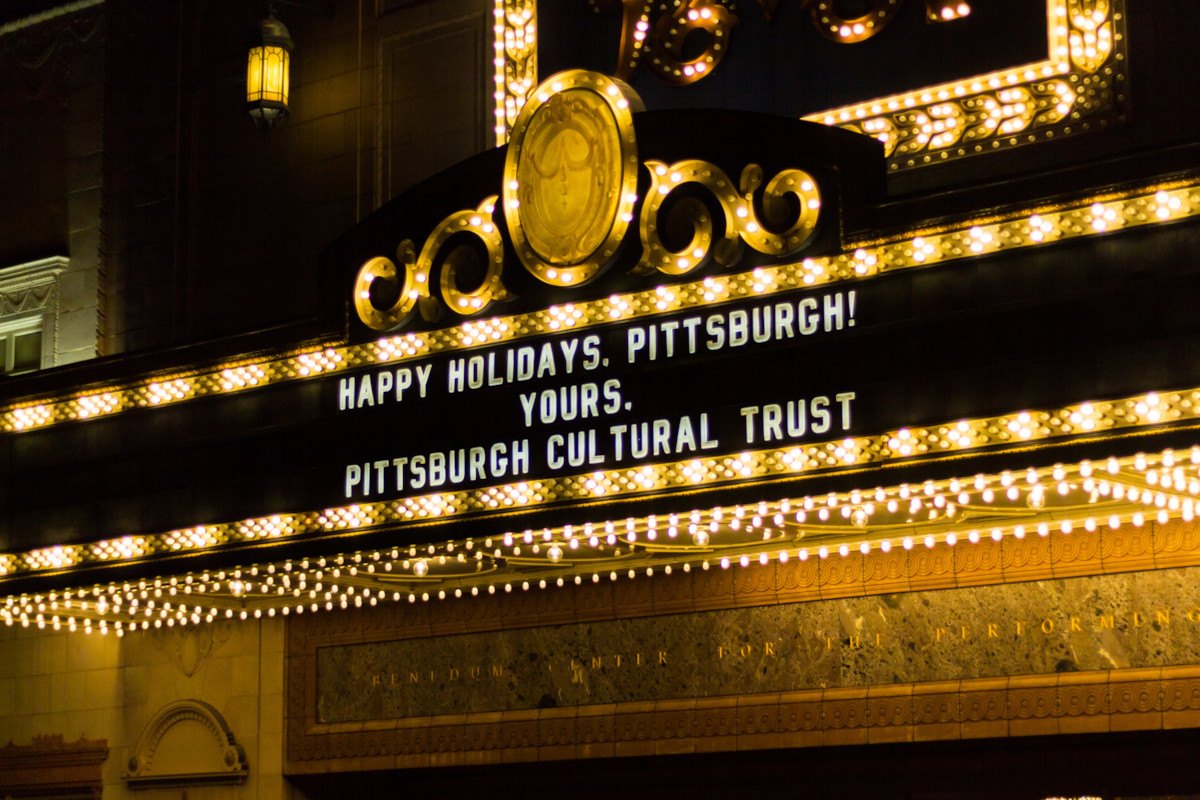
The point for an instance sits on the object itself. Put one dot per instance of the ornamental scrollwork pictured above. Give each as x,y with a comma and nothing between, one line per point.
739,212
751,214
973,119
662,39
851,30
665,179
408,278
570,195
758,232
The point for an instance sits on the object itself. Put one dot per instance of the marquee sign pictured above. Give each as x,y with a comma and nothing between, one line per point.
634,393
698,334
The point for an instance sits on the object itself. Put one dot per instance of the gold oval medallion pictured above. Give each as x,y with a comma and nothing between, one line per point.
571,176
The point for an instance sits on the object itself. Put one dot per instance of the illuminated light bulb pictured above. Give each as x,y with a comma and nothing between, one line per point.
421,568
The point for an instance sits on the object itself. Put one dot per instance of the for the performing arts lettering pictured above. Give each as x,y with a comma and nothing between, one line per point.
740,327
434,470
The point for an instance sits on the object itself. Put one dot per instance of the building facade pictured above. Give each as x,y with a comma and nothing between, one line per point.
599,397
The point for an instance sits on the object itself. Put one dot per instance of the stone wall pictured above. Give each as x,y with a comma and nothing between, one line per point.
110,688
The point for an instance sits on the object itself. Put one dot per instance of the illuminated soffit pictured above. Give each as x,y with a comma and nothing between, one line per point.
1060,501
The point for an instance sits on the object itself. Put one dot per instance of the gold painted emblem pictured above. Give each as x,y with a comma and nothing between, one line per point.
570,178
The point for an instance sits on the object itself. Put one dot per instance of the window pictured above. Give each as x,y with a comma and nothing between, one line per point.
29,315
20,346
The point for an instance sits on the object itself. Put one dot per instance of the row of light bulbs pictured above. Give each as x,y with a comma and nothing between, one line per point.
514,60
1057,500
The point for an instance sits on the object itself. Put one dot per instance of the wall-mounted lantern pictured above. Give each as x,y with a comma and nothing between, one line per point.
267,72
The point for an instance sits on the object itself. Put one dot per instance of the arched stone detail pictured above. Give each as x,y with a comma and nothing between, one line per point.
187,742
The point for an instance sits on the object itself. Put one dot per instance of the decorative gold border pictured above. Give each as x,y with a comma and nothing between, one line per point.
1117,515
1078,87
855,521
1036,705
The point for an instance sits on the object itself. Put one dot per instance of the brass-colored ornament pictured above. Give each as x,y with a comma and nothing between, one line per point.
666,43
570,177
384,269
515,60
665,179
740,215
752,229
849,30
1092,33
415,288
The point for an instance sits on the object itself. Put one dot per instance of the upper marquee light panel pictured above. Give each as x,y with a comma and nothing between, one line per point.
1077,87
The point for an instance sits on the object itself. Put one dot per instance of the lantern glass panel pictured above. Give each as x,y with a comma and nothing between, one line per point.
267,79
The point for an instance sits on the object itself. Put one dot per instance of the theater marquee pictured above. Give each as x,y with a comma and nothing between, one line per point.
687,315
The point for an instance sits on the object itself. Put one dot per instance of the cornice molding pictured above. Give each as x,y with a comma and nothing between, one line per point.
45,16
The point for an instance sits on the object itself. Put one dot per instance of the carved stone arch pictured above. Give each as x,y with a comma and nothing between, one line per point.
186,743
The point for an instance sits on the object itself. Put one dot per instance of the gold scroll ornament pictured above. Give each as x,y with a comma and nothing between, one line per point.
741,217
414,289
